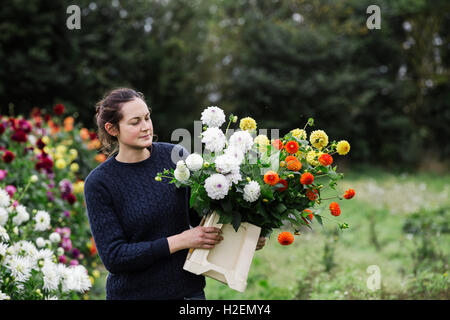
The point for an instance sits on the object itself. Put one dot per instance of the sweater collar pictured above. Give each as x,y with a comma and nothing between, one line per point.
152,148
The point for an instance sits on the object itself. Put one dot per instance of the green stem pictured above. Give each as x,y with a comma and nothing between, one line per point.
23,192
329,198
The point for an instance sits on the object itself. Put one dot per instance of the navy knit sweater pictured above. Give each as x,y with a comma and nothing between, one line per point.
131,215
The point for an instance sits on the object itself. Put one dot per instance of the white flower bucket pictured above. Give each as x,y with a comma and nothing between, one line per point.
229,261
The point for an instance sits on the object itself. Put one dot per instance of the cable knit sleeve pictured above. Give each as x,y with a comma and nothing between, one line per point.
116,253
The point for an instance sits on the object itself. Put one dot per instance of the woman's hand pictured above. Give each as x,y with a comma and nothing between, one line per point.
199,237
261,243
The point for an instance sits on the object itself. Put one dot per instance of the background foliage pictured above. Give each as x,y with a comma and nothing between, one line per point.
280,61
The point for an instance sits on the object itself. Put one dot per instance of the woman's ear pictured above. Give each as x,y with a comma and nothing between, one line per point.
111,129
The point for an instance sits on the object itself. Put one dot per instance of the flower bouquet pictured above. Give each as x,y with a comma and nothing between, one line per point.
248,184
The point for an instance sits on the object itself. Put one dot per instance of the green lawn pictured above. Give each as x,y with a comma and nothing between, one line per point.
383,201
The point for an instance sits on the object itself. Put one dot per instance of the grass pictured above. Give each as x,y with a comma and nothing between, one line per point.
384,201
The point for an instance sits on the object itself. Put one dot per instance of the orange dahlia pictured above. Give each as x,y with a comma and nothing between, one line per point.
291,147
284,183
293,163
334,208
325,159
306,178
277,143
312,195
285,238
271,177
350,193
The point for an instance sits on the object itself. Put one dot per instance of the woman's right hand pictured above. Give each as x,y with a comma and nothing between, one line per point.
199,237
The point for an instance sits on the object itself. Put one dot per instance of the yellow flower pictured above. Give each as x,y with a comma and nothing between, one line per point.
59,156
73,153
61,149
47,150
78,187
299,134
60,164
298,154
74,167
318,139
262,142
343,147
45,139
247,124
312,157
96,274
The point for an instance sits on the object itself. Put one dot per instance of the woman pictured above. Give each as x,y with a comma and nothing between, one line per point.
141,227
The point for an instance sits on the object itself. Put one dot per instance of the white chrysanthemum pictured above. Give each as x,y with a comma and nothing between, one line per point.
4,296
214,139
51,276
64,277
233,177
3,234
225,164
3,216
235,152
42,219
181,173
22,215
52,298
4,198
217,186
252,191
75,278
45,255
213,117
241,140
194,162
3,248
24,248
20,268
55,237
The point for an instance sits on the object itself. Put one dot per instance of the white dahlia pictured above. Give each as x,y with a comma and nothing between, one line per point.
181,172
241,140
226,163
252,190
233,177
217,186
194,162
235,152
214,139
213,117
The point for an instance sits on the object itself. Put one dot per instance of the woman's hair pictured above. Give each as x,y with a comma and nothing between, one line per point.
109,109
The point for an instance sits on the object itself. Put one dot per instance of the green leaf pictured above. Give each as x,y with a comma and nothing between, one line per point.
280,208
319,219
236,220
226,205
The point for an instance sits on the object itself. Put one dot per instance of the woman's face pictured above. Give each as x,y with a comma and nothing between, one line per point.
136,127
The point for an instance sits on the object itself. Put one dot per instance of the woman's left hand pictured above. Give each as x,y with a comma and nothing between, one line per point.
261,243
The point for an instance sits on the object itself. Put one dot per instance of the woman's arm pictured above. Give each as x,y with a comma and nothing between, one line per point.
116,253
